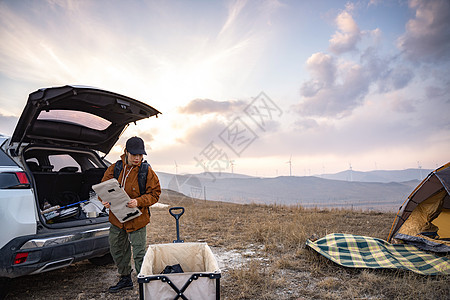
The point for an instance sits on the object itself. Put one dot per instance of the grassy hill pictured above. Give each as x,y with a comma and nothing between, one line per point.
274,262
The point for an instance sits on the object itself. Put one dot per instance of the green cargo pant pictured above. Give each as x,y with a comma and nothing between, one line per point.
120,244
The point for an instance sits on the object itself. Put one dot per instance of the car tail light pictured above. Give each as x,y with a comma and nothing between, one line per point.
21,257
23,179
14,180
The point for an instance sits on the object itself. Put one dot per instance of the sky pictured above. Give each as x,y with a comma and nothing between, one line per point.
258,87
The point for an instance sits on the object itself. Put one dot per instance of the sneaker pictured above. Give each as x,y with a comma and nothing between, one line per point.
125,283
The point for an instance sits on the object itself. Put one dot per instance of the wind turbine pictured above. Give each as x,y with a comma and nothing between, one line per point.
290,165
420,169
232,166
351,171
176,167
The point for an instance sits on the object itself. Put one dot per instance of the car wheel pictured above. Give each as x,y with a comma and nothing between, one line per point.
102,260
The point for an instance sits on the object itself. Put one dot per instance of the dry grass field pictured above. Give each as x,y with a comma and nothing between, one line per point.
262,254
275,264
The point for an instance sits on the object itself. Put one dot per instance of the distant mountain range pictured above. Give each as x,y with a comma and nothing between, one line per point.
374,190
379,175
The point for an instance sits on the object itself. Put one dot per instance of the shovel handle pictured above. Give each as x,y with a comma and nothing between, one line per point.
178,215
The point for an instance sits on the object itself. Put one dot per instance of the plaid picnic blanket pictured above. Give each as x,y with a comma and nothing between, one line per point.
366,252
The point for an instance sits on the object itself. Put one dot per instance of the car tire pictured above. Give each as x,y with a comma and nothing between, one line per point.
102,260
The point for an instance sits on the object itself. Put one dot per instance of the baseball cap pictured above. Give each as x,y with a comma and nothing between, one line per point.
135,145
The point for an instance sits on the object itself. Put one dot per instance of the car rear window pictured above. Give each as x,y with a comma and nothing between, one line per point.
60,161
75,117
5,160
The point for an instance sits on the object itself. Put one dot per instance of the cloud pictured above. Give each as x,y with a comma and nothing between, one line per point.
394,121
339,84
208,106
386,72
233,13
395,79
203,132
306,124
337,95
347,36
239,14
437,92
7,124
374,2
65,4
323,70
402,105
322,67
427,36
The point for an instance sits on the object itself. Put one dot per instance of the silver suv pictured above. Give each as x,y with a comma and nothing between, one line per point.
47,168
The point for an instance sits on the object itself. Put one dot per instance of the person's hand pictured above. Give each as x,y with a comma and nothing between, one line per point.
132,203
106,204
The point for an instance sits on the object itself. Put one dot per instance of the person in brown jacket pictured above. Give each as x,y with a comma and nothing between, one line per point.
131,234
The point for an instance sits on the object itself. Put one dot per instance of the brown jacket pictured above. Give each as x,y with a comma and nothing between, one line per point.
132,189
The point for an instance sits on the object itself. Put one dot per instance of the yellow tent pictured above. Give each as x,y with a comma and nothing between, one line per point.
424,218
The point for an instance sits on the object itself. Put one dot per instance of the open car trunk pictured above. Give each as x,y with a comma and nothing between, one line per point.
57,138
62,180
